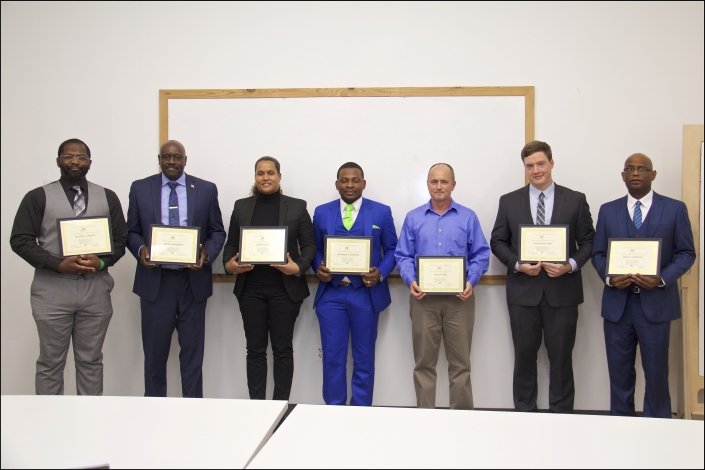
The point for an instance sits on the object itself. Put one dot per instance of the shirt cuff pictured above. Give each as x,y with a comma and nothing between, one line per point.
573,264
663,283
607,281
516,267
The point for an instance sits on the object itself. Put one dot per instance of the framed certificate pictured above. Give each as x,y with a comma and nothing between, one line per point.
174,244
263,245
85,236
543,243
348,255
634,256
441,275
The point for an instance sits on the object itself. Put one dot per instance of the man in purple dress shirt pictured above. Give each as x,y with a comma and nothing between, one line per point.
442,227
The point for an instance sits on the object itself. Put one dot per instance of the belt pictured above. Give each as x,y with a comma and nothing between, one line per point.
173,271
634,289
345,283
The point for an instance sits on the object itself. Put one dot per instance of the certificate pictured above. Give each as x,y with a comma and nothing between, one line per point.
174,244
85,236
263,245
348,255
634,256
441,274
543,243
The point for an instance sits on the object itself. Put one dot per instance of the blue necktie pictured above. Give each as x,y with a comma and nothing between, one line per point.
637,215
173,204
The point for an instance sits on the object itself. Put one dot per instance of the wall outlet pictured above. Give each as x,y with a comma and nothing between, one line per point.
319,354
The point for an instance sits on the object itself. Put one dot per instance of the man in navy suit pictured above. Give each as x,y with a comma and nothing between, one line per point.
350,305
639,309
173,296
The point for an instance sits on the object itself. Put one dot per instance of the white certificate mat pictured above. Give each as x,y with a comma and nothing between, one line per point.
263,245
543,243
634,256
85,236
441,274
348,255
173,244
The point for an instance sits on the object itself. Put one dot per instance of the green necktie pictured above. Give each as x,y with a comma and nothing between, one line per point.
347,218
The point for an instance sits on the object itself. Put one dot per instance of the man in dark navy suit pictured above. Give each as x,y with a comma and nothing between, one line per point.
639,309
173,296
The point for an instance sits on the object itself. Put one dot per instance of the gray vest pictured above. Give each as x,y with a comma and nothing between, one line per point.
59,207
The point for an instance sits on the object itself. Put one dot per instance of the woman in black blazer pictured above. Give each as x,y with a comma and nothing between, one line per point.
270,296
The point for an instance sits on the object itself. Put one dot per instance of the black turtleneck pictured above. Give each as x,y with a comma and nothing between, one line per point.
266,214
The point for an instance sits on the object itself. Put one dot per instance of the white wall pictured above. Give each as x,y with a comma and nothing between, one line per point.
611,79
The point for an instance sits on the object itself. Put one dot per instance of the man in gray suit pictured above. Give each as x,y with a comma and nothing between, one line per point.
70,296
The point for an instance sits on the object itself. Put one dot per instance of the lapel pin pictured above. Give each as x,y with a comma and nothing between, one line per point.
193,187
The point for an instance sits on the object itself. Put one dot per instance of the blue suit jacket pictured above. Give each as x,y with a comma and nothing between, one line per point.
384,242
203,211
668,220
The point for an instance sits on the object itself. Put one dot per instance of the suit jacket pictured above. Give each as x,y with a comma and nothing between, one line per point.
569,208
668,220
203,211
384,242
293,214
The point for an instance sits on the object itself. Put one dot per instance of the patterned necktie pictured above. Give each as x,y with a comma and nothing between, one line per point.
347,218
541,211
173,204
79,202
637,215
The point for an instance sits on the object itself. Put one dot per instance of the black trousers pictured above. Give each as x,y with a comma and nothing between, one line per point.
269,312
557,325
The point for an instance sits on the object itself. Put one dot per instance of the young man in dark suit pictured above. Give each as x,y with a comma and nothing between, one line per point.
173,296
543,297
638,309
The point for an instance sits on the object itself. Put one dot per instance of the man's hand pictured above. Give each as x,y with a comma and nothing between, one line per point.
372,278
71,265
289,269
646,282
621,282
201,260
530,269
556,270
236,268
467,293
416,292
323,273
144,258
90,261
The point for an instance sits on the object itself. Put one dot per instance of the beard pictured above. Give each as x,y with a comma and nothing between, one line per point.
74,173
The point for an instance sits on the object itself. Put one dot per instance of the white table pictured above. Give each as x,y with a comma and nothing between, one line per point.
134,432
356,437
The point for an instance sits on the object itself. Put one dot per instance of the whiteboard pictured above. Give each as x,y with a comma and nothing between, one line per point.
394,139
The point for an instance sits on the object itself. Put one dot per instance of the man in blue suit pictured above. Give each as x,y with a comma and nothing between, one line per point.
349,306
639,309
173,296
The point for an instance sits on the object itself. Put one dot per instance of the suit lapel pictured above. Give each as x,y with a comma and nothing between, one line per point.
190,199
332,217
249,210
283,204
652,218
526,206
157,198
558,198
623,217
365,209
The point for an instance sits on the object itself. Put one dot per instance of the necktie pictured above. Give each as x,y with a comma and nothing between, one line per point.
79,202
637,215
541,211
173,204
347,218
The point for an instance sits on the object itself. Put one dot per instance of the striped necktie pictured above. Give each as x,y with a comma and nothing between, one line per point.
79,202
173,204
541,211
637,215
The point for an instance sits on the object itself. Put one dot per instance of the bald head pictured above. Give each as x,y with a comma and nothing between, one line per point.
639,159
443,166
170,143
638,174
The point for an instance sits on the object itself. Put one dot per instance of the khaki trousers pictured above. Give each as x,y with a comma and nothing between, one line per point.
446,316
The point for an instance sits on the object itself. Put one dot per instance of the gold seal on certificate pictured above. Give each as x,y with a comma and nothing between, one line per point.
174,244
85,236
348,255
634,256
543,243
263,245
441,274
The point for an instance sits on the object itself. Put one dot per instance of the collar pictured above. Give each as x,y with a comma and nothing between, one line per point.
357,204
69,184
181,180
453,206
547,193
645,201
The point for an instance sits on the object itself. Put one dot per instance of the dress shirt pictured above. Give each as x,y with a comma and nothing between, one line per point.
180,194
28,224
356,210
457,232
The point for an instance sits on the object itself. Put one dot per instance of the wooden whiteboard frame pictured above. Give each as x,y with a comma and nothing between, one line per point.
397,92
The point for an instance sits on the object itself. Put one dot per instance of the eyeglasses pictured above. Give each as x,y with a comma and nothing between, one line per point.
167,158
81,158
641,169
